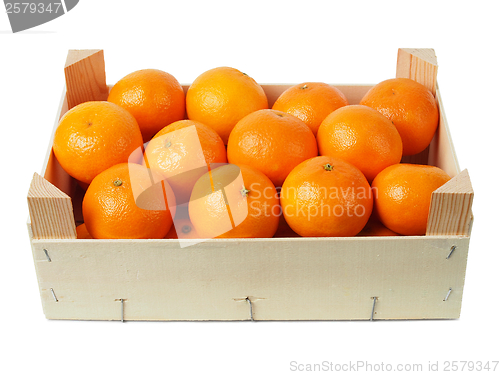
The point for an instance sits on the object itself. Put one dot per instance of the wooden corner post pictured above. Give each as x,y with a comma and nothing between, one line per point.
51,211
450,213
85,76
418,64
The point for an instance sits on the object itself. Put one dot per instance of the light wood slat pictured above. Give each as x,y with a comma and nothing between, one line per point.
286,279
441,150
51,211
450,212
85,76
419,64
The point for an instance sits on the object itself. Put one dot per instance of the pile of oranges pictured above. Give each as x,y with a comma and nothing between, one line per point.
218,162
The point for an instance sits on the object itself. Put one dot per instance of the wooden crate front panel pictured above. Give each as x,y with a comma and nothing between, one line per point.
303,279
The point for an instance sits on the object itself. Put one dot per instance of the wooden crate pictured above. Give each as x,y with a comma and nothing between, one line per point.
357,278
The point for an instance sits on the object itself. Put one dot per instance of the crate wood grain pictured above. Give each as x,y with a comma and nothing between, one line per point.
358,278
303,279
85,76
418,64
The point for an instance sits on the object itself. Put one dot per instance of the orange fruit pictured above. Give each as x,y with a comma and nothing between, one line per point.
182,152
311,102
273,142
234,201
376,228
82,232
402,195
93,136
123,202
326,197
410,106
154,97
363,137
186,228
222,96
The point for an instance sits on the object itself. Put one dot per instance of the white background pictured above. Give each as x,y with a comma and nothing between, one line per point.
274,42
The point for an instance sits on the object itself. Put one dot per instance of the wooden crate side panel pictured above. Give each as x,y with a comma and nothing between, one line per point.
51,169
441,151
305,279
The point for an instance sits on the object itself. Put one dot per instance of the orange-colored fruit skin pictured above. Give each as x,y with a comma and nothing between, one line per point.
363,137
311,102
255,215
110,209
222,96
271,141
318,202
402,195
375,228
181,162
154,97
93,136
82,232
410,106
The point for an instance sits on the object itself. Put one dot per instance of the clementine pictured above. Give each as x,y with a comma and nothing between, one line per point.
234,201
182,152
93,136
311,102
326,197
363,137
410,106
403,196
124,202
271,141
154,97
221,97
